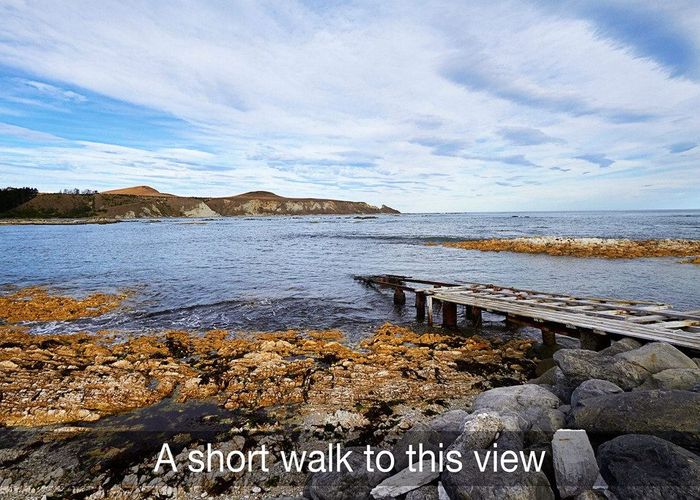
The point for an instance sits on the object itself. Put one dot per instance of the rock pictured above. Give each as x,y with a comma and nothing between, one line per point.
697,361
480,431
442,494
345,485
516,398
673,378
579,365
593,388
405,481
672,415
575,466
546,378
470,483
435,435
623,345
657,357
536,406
649,468
427,492
8,365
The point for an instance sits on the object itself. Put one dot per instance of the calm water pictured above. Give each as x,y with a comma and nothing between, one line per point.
275,273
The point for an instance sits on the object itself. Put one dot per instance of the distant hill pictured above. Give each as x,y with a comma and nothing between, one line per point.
145,202
137,191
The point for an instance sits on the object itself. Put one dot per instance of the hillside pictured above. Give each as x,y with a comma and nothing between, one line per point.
145,202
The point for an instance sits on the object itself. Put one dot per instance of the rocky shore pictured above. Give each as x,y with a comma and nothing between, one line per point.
608,248
91,412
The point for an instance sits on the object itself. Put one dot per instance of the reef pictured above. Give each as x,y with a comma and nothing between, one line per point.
609,248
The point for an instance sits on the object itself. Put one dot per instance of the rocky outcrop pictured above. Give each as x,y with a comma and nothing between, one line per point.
657,357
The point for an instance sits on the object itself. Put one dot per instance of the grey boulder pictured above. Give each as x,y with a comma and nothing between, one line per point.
579,365
649,468
657,357
673,378
406,481
470,483
427,492
672,415
592,389
345,485
575,466
623,345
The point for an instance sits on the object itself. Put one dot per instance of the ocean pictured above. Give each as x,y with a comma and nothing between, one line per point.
275,273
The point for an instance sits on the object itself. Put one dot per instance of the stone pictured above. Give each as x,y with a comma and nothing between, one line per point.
8,365
533,404
656,357
649,468
480,430
442,494
470,483
579,365
435,435
427,492
673,378
546,378
575,466
593,388
623,345
345,485
672,415
405,481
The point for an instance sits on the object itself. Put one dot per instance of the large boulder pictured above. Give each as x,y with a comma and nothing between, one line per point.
345,485
657,357
435,435
470,483
575,467
623,345
592,389
672,415
535,405
579,365
674,378
649,468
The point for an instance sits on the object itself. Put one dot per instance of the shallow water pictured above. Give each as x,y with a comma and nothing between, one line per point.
270,273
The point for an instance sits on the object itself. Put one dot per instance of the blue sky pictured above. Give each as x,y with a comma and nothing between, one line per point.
424,106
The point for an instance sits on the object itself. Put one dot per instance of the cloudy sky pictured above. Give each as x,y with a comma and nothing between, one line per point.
425,106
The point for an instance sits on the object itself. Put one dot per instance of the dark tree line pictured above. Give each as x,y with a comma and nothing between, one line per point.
11,197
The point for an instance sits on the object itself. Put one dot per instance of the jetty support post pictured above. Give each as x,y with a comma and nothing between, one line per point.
594,341
420,306
476,316
399,296
449,315
429,300
549,337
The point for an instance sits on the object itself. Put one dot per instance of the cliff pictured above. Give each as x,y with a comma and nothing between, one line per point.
144,201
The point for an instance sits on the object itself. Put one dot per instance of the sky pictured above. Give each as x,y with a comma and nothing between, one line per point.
424,106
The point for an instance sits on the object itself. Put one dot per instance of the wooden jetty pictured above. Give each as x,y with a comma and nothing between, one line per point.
595,321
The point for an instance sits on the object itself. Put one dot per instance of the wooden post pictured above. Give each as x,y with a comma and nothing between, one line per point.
399,297
449,315
420,306
430,310
594,341
476,316
549,338
511,324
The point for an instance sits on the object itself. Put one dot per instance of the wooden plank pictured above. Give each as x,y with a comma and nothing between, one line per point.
677,324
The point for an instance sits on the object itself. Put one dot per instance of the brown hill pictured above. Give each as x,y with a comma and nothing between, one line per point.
147,202
137,191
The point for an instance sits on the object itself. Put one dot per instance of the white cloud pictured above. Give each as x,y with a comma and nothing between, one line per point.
275,91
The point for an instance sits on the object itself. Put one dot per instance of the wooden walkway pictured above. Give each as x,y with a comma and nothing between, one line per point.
594,320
